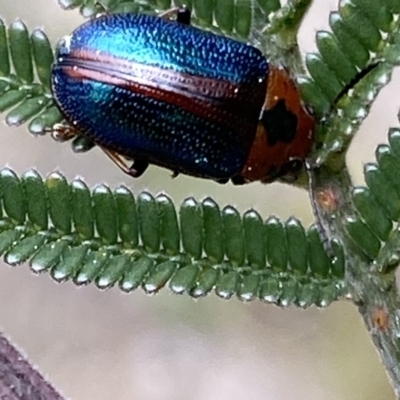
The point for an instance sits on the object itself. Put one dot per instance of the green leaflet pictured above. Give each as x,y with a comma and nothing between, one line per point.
25,67
361,34
376,232
359,53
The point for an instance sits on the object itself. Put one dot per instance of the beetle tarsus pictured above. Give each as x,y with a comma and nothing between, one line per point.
137,168
63,132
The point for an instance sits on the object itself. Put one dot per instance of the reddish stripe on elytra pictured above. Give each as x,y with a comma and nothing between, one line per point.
235,106
197,86
151,75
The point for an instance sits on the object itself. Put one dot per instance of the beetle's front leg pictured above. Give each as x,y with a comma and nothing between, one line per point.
137,168
62,132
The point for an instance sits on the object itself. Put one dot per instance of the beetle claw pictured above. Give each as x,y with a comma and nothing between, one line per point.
137,168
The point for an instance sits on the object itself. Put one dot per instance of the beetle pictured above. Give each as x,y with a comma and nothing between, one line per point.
152,90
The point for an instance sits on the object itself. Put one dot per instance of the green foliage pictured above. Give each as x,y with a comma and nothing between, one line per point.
363,32
227,16
25,67
378,206
365,36
109,237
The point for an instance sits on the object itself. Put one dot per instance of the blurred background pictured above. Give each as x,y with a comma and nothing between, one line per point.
111,346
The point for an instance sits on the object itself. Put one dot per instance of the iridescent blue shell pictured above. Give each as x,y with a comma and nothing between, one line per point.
161,91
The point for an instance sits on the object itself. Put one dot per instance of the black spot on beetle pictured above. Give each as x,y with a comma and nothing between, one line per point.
280,124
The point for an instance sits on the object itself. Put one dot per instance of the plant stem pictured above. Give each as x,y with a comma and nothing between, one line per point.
374,292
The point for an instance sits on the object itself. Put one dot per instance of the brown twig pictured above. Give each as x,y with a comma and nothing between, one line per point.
19,380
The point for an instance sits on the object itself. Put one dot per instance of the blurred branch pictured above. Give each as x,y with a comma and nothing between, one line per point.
18,379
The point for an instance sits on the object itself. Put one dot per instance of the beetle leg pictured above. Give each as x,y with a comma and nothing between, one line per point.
174,174
63,132
222,181
138,167
183,14
289,173
135,170
238,180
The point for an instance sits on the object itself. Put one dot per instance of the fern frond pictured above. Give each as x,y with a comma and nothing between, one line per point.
362,33
111,237
376,232
365,35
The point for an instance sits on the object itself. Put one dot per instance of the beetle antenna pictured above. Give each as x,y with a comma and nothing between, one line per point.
357,78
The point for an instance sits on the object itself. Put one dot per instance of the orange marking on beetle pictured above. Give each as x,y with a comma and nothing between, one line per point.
218,103
263,157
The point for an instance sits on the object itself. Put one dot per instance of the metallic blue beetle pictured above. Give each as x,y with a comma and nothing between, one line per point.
156,91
